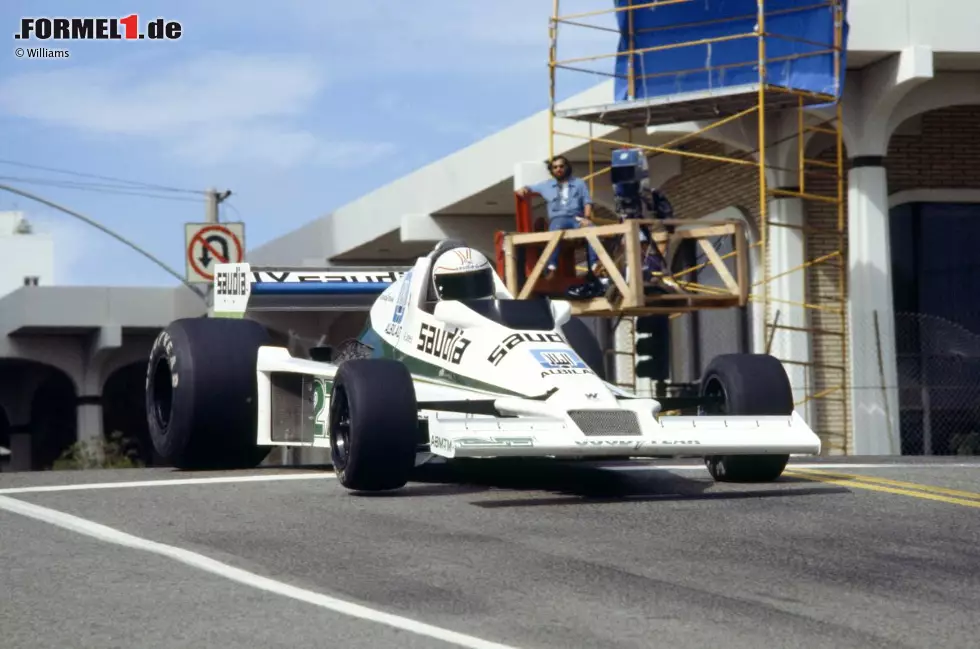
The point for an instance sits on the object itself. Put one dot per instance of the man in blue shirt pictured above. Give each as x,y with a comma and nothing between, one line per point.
569,205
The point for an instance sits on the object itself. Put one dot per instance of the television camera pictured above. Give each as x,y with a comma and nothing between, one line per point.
632,196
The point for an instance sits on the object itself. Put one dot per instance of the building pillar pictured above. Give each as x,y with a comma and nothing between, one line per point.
871,319
90,430
105,342
16,398
791,343
89,419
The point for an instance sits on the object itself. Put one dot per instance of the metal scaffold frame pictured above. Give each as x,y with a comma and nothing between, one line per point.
826,314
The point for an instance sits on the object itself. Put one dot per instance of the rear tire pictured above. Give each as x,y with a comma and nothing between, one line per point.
373,424
202,396
748,384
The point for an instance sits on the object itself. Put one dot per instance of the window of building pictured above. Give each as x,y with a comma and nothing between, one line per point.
935,281
935,265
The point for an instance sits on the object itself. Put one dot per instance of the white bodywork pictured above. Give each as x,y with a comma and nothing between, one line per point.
513,369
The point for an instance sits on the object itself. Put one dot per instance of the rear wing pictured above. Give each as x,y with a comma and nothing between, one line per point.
241,287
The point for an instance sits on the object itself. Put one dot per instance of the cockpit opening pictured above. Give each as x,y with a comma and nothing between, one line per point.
528,315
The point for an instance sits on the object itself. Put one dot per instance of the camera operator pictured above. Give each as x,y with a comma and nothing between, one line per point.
569,205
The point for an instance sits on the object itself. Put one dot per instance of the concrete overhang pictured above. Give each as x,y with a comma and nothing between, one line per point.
72,310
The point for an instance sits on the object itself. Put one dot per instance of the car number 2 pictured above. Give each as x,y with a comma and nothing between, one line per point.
319,408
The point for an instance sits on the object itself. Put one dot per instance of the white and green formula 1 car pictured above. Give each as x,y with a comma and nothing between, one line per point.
428,377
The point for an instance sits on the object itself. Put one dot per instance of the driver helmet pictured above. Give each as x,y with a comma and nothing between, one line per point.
463,274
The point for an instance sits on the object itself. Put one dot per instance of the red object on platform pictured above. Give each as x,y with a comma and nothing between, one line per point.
565,276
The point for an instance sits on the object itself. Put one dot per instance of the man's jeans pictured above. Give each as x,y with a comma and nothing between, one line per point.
569,223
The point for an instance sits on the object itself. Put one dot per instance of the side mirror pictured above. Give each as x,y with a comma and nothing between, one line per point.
561,310
456,314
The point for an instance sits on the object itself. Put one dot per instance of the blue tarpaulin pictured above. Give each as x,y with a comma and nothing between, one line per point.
795,27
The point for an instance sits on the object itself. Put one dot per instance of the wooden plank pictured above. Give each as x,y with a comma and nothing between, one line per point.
598,309
697,297
719,265
705,232
539,267
634,266
510,259
629,286
603,231
611,270
592,305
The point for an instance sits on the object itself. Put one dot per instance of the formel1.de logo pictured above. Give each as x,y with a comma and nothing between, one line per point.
98,29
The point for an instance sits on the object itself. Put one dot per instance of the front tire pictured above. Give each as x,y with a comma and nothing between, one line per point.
374,426
747,384
202,396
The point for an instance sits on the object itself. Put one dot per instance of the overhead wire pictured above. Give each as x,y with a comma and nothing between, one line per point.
70,172
109,232
98,188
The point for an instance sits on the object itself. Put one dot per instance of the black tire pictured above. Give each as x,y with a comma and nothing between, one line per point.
373,424
202,396
584,343
749,384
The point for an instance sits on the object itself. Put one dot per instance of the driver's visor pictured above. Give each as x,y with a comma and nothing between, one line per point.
465,286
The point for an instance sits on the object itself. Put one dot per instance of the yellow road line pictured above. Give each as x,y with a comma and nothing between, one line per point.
914,490
969,495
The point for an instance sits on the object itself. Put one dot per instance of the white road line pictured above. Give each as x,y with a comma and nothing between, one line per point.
177,482
193,559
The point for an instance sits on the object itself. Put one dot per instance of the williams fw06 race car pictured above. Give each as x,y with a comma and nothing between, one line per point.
448,365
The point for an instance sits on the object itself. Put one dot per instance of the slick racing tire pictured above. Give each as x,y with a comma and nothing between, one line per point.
747,384
373,424
202,396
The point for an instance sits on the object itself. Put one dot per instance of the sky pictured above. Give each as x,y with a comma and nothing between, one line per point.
295,106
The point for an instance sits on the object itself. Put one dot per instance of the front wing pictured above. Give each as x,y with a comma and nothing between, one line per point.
586,433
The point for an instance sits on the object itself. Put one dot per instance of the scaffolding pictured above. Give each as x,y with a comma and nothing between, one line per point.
774,67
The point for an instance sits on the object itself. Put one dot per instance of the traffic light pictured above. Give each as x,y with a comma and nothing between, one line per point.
653,345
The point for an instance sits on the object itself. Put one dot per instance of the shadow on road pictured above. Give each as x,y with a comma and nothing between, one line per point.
576,483
570,483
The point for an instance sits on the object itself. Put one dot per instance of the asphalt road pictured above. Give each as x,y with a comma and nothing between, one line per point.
530,555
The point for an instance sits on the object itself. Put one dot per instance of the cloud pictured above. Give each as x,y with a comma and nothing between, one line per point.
502,37
215,108
350,155
282,147
201,92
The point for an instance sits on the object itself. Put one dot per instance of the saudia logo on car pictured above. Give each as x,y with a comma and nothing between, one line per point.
443,344
231,283
513,340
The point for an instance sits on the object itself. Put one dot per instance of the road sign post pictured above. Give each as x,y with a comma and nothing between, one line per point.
208,244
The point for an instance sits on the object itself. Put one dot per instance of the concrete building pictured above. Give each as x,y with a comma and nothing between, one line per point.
28,256
912,145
